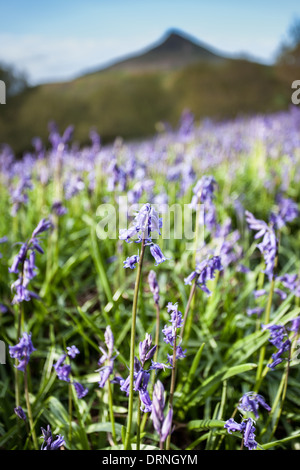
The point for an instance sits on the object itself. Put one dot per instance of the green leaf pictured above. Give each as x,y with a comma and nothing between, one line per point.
200,424
206,388
103,427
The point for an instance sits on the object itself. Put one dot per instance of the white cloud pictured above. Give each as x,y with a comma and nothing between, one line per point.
54,58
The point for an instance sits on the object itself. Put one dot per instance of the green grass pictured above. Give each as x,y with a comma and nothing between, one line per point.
84,288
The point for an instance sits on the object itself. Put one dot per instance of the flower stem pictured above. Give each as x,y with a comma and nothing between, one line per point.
187,309
132,346
111,412
35,443
70,405
138,433
172,389
263,348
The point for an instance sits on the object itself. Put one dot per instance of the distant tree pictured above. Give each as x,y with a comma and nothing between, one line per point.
289,52
15,81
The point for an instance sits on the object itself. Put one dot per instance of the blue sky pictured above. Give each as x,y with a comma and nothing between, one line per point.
58,40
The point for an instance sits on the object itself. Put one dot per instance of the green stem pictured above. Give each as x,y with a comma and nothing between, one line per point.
17,375
187,309
172,389
132,346
111,412
280,392
263,348
35,442
138,432
70,412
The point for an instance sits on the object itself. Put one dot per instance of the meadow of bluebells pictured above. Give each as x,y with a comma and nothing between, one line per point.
149,336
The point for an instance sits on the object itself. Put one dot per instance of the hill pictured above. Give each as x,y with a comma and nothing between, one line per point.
130,97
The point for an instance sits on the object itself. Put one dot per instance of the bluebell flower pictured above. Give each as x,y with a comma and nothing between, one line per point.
287,211
106,361
145,222
62,370
204,195
255,311
22,351
131,261
24,264
247,430
180,354
161,424
51,443
295,325
20,413
269,244
157,254
289,281
278,335
146,350
58,208
154,287
204,272
72,351
170,331
80,390
251,401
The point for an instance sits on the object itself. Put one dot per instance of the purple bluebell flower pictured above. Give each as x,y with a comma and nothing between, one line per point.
19,196
259,293
204,195
72,351
42,226
255,311
80,389
104,374
106,361
157,254
287,211
204,190
170,331
58,208
278,335
24,264
20,413
186,125
154,287
251,401
180,354
205,271
51,443
141,379
159,366
145,222
232,426
289,281
146,350
146,403
62,370
281,293
22,351
246,428
295,325
269,244
161,424
131,261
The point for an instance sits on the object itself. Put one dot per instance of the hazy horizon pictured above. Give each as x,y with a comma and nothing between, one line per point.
60,40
